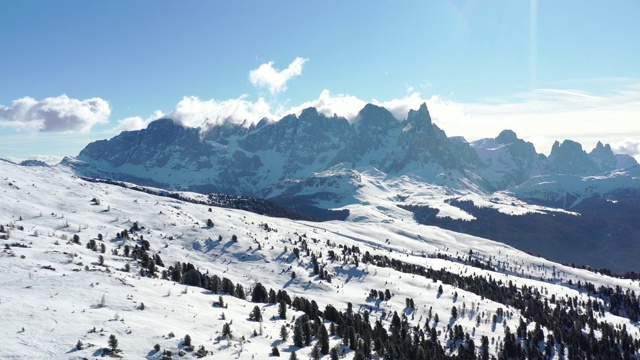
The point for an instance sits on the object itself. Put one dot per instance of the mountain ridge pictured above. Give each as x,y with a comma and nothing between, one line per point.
234,159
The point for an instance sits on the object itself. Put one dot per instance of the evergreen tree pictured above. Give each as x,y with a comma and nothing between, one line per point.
484,348
275,351
113,342
256,314
297,336
192,277
307,333
293,356
323,339
284,334
240,292
226,330
333,354
315,352
282,310
259,294
353,344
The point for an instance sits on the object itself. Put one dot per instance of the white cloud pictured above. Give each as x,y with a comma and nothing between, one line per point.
630,147
546,115
267,76
542,116
137,122
55,114
343,105
194,112
49,159
400,107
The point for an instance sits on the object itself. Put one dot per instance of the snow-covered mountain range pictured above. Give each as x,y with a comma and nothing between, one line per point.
89,268
234,159
389,169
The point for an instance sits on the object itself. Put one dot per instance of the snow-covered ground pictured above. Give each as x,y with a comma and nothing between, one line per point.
54,292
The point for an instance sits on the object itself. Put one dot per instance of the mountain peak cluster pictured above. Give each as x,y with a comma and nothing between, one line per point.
233,159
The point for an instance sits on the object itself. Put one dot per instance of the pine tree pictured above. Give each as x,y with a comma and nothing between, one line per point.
187,340
259,294
113,342
256,314
226,330
293,356
282,310
323,339
353,343
333,354
315,352
239,293
297,336
359,355
284,334
307,333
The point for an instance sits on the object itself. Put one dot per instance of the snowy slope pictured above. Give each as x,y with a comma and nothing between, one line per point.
555,188
52,289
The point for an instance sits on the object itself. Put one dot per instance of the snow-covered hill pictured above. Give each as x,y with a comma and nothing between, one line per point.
57,292
570,190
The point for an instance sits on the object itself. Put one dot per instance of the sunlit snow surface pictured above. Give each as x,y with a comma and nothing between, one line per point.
43,312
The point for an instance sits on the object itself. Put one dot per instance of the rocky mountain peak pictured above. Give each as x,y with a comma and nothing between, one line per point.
309,113
506,137
568,157
374,116
420,117
604,156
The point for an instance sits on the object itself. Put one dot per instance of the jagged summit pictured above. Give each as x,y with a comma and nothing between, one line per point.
420,116
568,157
234,159
604,156
239,160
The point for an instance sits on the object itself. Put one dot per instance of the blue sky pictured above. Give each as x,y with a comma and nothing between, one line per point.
74,71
